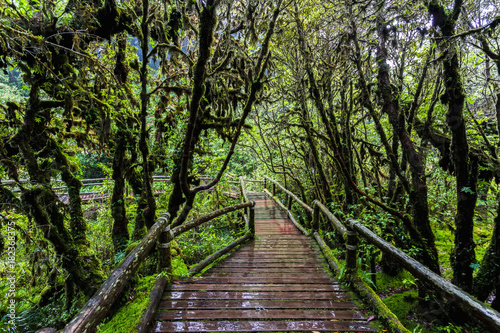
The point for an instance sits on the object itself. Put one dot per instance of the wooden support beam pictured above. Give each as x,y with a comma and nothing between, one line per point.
351,245
154,300
199,267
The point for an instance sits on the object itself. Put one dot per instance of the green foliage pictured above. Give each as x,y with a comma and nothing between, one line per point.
9,91
94,165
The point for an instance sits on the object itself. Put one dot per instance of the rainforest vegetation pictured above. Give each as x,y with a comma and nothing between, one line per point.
387,111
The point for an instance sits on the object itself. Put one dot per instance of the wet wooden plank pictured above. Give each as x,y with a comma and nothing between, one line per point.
244,275
250,259
274,262
256,304
196,295
279,256
304,280
256,287
278,251
260,314
243,265
237,269
266,326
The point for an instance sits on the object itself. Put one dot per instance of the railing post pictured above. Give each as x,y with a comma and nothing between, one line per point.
251,219
164,253
315,219
352,250
265,182
289,203
274,189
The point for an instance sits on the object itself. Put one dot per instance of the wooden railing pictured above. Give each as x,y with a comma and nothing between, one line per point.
160,234
91,182
350,230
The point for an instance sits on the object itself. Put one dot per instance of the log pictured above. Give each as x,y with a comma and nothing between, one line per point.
198,268
98,306
154,299
243,189
486,315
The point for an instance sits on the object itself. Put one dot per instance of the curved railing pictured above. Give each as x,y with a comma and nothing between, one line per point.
351,229
161,235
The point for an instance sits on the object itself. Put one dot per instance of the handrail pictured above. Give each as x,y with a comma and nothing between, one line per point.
98,306
293,196
486,314
333,219
207,217
249,214
207,261
164,253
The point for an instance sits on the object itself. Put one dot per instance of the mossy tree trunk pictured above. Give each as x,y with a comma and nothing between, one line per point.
488,276
119,234
44,205
418,192
146,207
323,188
203,96
465,165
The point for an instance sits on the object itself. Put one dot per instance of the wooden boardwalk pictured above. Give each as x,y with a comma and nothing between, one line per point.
275,283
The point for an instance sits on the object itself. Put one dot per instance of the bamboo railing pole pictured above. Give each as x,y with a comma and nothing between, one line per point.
315,218
251,219
294,197
207,217
164,255
207,261
289,203
352,250
290,215
154,300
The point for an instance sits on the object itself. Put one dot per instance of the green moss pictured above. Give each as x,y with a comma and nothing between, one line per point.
401,304
130,315
179,268
403,279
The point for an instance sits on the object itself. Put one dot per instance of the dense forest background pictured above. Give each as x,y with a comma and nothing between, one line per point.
386,111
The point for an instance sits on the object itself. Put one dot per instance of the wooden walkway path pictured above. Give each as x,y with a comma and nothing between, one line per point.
275,283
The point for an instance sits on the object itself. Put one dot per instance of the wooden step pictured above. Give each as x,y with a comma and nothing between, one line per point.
262,326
